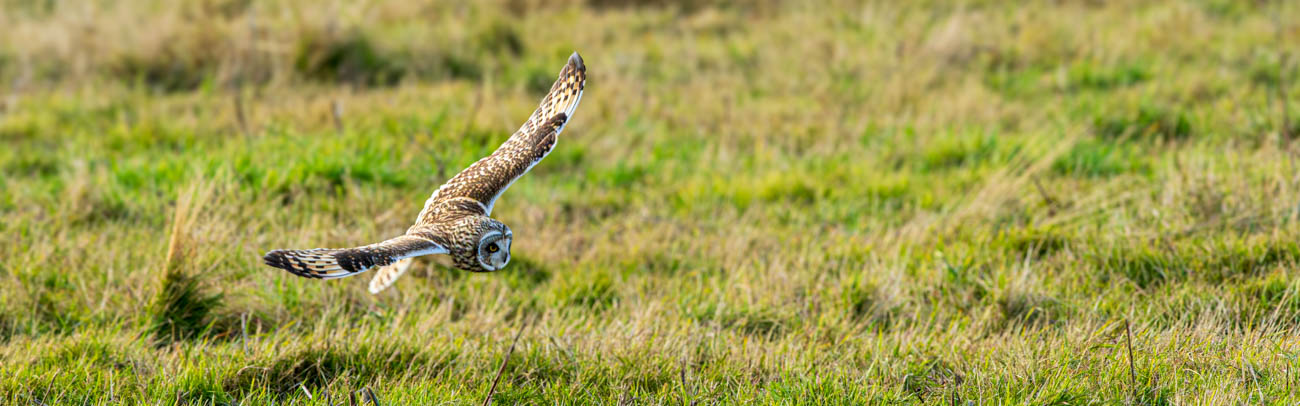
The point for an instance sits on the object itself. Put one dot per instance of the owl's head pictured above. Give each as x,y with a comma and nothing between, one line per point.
493,249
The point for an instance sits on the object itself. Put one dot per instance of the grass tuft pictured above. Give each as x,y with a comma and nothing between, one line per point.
182,306
181,310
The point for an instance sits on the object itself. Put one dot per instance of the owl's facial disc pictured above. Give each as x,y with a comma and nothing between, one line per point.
494,250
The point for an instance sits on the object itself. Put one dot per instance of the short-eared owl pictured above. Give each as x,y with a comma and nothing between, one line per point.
455,218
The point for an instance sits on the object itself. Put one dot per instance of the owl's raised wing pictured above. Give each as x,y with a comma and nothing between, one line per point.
485,180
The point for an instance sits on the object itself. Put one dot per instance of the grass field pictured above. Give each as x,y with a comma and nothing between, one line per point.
967,202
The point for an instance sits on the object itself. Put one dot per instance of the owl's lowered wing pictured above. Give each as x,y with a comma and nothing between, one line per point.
328,263
485,180
388,274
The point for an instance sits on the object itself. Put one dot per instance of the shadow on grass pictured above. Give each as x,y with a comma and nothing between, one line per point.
315,368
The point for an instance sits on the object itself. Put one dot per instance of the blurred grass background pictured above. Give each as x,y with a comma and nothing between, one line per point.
759,202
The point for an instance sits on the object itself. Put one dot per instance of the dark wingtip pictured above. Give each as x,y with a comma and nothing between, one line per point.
276,259
576,61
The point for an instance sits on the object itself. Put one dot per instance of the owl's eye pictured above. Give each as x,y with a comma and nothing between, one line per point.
493,248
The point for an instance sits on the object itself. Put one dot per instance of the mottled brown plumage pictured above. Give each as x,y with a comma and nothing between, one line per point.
455,220
486,179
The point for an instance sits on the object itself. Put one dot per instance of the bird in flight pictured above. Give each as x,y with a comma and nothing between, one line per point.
455,220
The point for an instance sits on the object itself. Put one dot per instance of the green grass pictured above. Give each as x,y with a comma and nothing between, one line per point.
893,202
